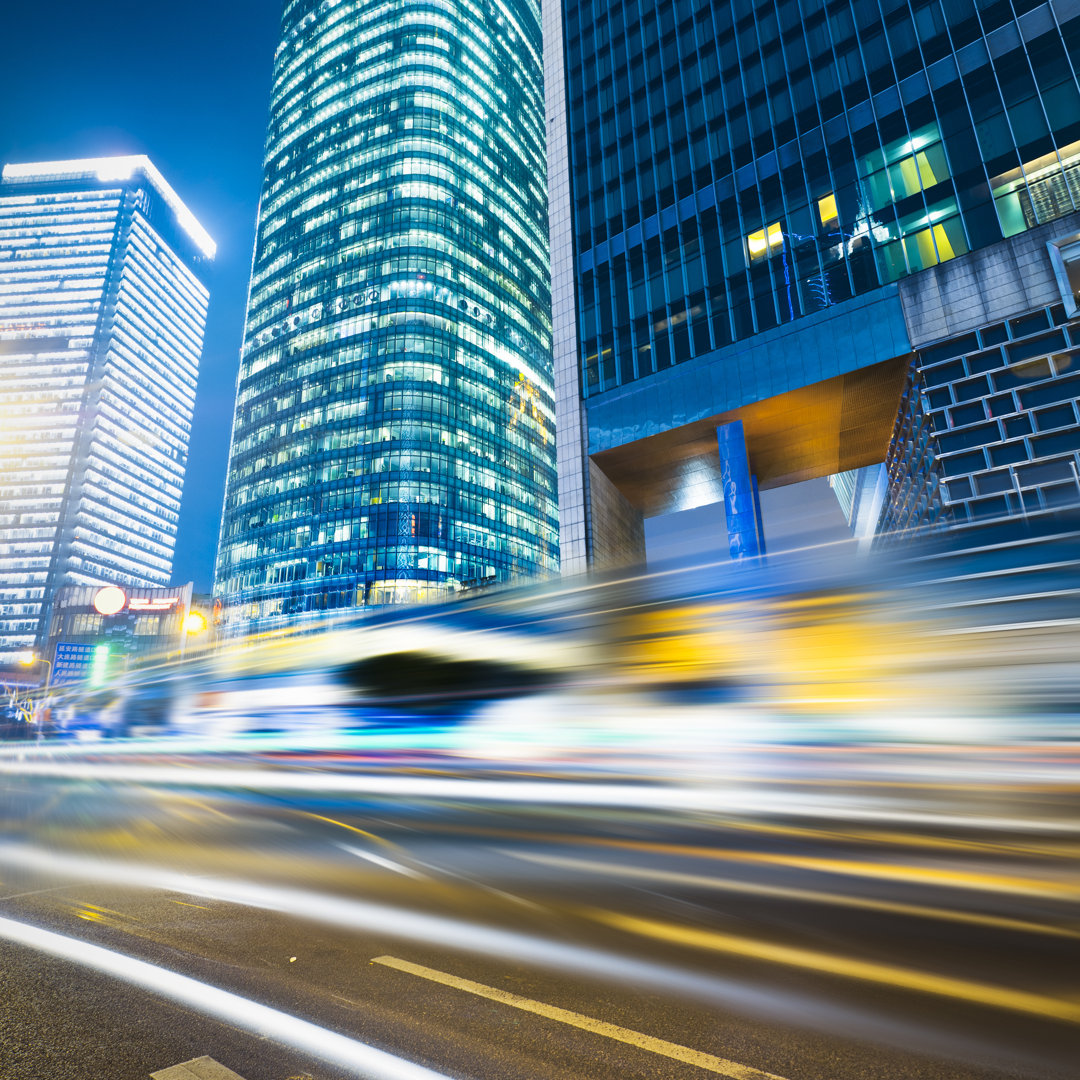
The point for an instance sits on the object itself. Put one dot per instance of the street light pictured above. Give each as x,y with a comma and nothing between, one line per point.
30,658
195,623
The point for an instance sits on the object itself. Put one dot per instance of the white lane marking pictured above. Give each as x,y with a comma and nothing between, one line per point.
200,1068
248,1015
477,883
709,1062
386,864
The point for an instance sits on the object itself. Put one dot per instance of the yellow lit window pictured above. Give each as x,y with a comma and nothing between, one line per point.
827,212
765,242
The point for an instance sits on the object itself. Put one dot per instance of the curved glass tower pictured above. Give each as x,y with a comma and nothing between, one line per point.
394,438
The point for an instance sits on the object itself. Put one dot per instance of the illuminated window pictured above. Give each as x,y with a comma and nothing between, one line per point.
905,166
765,242
924,244
827,212
1038,191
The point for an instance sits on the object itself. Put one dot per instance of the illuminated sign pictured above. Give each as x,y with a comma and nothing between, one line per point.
72,662
153,603
110,600
99,665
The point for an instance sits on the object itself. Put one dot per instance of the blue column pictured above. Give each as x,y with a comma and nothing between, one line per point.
746,538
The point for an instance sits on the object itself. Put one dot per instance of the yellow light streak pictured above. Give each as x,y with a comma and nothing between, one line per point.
998,997
814,896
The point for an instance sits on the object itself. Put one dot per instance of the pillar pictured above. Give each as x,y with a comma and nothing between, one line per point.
742,506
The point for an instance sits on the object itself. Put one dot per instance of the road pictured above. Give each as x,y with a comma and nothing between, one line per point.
818,914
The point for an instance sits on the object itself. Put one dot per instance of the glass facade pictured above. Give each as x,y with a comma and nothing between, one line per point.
737,165
394,435
102,311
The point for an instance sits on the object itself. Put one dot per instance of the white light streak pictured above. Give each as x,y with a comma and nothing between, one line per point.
431,930
249,1015
715,799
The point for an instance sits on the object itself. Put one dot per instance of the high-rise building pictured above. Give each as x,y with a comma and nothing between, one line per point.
848,227
394,434
103,302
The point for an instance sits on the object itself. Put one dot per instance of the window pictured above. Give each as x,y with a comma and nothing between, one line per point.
1039,191
905,166
765,243
827,212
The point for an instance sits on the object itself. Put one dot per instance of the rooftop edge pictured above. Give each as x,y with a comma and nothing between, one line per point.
118,168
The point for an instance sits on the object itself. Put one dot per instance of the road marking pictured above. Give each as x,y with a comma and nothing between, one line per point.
201,1068
386,864
886,974
210,1000
351,828
598,1027
699,881
477,884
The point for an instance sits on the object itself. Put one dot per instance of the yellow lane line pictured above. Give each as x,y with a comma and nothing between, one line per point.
107,911
814,896
183,903
586,1023
352,828
999,997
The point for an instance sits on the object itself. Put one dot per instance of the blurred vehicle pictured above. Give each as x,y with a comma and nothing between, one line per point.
942,643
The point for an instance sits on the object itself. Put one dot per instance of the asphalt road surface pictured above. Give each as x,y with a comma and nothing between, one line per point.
838,919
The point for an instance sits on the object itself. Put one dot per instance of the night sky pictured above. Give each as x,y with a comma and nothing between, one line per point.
189,85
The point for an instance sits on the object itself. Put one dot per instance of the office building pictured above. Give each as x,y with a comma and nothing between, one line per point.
99,631
394,437
103,302
794,239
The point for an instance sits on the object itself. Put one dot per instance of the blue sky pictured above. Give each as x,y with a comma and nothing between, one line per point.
189,85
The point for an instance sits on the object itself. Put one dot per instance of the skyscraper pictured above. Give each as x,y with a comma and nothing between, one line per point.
103,302
394,437
849,228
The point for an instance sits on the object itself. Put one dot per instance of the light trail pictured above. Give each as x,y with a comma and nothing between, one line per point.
884,871
261,1020
532,792
457,935
782,892
999,997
